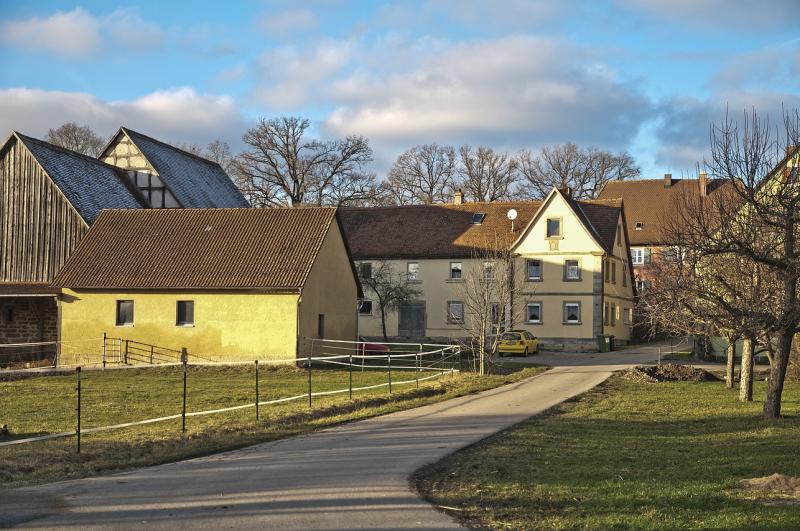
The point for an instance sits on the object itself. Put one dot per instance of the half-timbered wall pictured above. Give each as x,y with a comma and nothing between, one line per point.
39,229
123,153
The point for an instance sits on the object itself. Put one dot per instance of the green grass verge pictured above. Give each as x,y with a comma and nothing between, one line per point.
43,405
628,455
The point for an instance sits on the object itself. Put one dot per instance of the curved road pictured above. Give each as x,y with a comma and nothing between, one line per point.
354,476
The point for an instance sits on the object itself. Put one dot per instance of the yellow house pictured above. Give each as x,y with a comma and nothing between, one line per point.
571,260
226,284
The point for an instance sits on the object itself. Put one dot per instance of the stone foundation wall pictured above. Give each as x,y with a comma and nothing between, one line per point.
27,320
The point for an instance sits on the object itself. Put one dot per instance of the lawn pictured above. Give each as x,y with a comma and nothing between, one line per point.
43,405
628,455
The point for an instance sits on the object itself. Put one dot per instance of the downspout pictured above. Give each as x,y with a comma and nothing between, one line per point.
297,324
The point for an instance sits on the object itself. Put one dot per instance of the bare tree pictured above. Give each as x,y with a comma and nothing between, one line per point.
220,152
584,171
423,174
76,137
486,175
390,288
284,167
487,292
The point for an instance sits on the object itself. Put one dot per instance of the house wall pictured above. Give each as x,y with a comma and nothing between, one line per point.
33,320
618,291
39,229
228,325
330,290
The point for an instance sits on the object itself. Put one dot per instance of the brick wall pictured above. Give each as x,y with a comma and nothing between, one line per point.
32,319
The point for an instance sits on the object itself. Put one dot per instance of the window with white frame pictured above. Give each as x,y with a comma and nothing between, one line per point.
572,270
533,312
626,316
455,312
572,313
642,285
455,271
534,267
488,270
640,255
554,227
365,307
412,271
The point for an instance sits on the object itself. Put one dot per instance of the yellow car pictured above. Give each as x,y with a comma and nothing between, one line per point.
517,342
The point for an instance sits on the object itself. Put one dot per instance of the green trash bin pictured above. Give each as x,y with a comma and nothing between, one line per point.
603,343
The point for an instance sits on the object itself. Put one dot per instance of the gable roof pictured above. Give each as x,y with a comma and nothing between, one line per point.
270,249
88,184
599,217
194,181
649,202
447,230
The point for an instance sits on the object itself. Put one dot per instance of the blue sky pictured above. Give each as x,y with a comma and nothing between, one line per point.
647,76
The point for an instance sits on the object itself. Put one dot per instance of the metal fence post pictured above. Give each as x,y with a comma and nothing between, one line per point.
350,375
390,372
78,409
126,352
104,350
183,412
659,356
151,354
441,366
309,379
416,360
256,389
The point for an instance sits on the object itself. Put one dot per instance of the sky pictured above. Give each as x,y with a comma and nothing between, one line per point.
644,76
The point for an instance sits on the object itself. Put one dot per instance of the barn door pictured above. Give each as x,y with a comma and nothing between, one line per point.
412,320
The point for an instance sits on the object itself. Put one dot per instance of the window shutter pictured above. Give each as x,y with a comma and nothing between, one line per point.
646,256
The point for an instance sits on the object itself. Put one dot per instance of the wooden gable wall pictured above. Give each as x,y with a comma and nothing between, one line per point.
39,228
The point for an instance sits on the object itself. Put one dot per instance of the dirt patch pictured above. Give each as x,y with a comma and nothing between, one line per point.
669,372
774,488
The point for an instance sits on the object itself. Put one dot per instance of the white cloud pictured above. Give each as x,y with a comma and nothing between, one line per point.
512,91
78,33
179,115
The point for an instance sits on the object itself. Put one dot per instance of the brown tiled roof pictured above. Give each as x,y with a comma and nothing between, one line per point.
447,231
199,248
649,202
11,289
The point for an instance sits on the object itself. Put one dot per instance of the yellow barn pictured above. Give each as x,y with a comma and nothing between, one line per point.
226,284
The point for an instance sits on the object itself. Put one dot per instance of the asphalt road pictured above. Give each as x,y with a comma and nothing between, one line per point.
354,476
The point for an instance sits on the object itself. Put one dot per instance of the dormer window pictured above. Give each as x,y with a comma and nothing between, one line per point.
639,225
477,218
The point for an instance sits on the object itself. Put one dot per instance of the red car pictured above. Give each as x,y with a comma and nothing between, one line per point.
368,349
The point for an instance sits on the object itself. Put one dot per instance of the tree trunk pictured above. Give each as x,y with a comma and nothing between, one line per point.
383,324
746,371
730,367
777,374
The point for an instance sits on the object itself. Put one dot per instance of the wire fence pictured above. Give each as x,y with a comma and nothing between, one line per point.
330,368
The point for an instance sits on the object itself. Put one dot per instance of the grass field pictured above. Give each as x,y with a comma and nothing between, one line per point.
629,455
42,405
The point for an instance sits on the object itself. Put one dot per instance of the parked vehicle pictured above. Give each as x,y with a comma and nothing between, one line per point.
517,342
372,349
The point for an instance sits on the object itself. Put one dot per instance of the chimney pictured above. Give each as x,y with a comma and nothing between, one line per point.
567,191
458,198
667,180
703,182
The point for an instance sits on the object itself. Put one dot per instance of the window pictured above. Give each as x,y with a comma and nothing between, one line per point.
639,225
572,270
455,312
533,312
672,254
642,285
534,269
455,270
365,269
606,270
640,255
626,316
613,272
124,313
185,313
412,271
321,325
613,317
477,218
153,189
488,270
365,307
554,228
496,313
572,313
